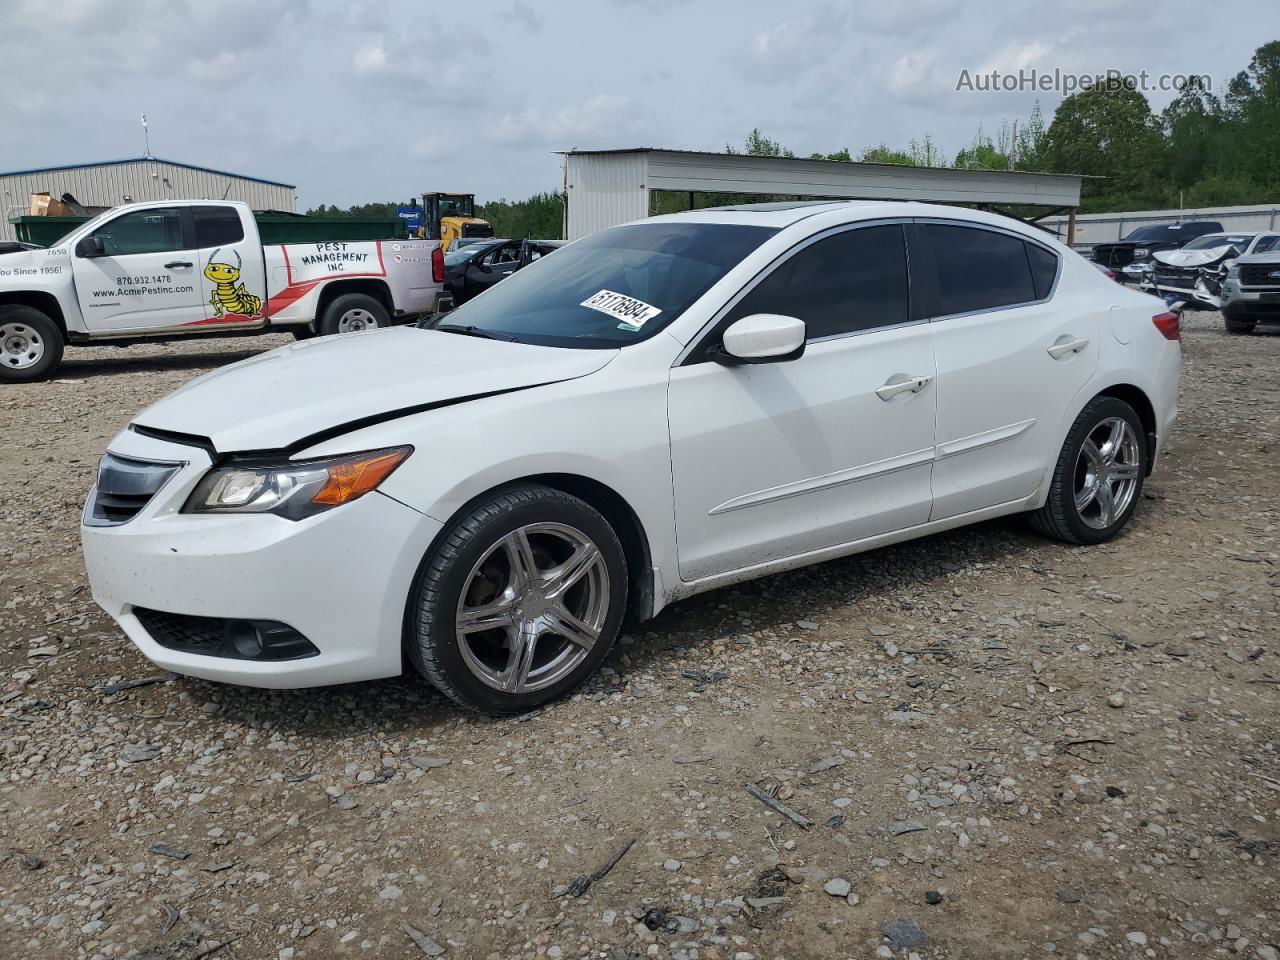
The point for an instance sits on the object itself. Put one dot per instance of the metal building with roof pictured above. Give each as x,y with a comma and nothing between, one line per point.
608,187
115,182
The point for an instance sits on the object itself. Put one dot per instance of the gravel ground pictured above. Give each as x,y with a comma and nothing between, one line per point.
1003,747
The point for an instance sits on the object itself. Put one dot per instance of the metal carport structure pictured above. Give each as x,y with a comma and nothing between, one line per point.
608,187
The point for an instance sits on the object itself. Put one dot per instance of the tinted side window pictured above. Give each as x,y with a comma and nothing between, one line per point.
142,231
855,280
978,269
1044,267
217,226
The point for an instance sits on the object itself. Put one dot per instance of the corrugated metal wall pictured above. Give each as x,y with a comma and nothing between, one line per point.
108,184
681,171
1094,228
604,191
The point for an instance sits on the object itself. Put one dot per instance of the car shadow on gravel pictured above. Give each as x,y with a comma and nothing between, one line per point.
409,705
76,369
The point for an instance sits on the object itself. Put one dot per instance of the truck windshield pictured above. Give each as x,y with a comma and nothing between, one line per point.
1240,240
611,289
90,223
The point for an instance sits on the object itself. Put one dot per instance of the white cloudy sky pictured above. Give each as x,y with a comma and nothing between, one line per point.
384,99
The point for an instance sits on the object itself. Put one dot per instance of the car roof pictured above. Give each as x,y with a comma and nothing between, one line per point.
782,215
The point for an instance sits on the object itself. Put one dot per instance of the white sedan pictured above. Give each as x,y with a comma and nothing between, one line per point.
659,409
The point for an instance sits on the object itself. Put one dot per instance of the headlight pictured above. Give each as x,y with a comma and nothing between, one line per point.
293,490
1141,252
1233,271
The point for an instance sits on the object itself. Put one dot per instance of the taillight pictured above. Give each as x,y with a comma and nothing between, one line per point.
1111,274
437,265
1169,325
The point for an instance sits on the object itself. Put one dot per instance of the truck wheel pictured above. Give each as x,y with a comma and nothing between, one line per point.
1237,323
30,344
352,312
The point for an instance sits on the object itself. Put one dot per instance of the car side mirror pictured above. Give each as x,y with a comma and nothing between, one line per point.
91,247
762,338
484,268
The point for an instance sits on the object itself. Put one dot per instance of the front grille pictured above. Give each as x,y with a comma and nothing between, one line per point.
1113,255
124,487
1177,276
1260,274
225,637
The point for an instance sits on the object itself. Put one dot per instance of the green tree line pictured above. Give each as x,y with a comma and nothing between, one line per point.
1207,148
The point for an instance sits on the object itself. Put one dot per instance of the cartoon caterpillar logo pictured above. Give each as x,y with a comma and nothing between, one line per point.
228,296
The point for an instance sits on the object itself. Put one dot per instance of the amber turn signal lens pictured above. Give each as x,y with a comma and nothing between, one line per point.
353,478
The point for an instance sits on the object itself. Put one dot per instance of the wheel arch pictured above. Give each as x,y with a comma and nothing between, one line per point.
369,286
643,599
1137,398
40,300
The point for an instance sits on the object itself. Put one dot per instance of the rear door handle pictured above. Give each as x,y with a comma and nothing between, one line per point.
1065,346
175,264
901,383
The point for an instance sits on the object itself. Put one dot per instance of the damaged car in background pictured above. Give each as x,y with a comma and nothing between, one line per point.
1251,291
1196,272
1130,257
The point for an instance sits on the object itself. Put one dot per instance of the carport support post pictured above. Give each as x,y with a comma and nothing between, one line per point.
1071,228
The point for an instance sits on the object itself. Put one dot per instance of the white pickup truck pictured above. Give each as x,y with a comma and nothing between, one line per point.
171,269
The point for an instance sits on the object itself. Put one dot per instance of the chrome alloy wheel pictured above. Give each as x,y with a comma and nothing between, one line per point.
355,319
21,346
533,607
1107,472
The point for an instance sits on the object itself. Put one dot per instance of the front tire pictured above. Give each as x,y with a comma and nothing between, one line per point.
1098,479
30,344
1237,323
520,601
352,312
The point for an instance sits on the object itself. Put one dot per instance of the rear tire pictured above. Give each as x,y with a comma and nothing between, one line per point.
1097,481
30,344
1238,323
527,569
352,312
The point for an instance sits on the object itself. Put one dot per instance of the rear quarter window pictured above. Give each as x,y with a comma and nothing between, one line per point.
979,269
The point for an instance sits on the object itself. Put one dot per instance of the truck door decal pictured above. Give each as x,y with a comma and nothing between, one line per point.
231,301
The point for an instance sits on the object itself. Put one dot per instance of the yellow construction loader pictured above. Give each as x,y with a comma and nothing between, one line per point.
451,216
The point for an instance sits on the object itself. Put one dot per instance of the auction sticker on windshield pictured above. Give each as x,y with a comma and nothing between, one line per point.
632,313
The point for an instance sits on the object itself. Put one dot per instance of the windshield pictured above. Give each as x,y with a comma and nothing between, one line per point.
1168,231
92,221
463,254
1219,240
610,289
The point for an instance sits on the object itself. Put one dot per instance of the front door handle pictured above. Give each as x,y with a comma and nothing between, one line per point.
1066,346
175,264
901,383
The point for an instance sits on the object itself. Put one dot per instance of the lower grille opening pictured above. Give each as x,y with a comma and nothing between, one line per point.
263,640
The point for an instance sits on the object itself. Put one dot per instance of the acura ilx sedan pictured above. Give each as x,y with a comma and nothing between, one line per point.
657,410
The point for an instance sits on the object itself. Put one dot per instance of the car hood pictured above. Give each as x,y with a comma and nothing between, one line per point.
1194,258
287,398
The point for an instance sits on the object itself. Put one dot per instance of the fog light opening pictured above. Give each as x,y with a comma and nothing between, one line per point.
245,639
